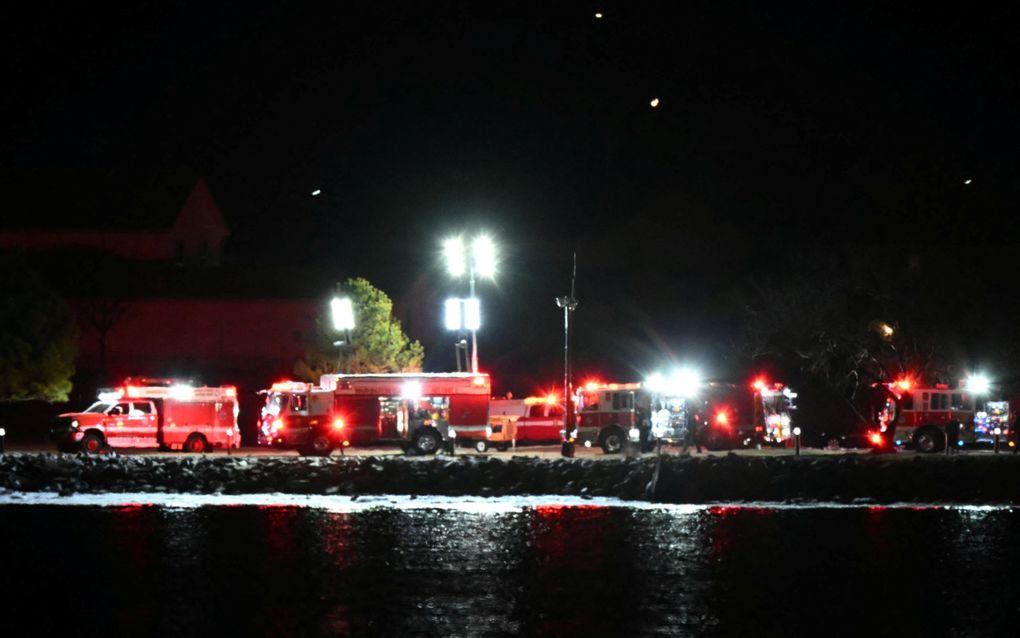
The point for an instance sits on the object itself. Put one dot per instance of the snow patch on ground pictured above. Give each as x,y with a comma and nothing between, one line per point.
466,504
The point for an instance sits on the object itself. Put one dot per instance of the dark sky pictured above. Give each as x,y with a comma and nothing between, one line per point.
777,128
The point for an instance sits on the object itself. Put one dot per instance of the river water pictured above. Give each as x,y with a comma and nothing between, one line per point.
139,567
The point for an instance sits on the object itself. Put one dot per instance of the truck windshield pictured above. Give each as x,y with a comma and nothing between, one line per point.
99,406
275,402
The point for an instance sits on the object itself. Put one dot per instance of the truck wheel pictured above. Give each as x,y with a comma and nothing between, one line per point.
928,440
321,446
612,441
481,446
503,447
91,443
426,442
196,444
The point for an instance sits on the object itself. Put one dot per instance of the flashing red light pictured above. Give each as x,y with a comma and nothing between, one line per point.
231,392
278,424
478,381
876,439
338,424
722,418
759,384
132,390
551,399
759,428
591,386
904,384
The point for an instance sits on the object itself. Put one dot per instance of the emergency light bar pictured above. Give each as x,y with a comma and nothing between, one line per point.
178,392
291,386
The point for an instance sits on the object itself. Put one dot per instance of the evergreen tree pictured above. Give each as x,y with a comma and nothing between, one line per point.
377,343
38,336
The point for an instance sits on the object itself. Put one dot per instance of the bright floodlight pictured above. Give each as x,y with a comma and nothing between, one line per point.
411,390
656,383
472,314
453,321
978,384
685,382
182,392
654,103
453,248
343,314
483,251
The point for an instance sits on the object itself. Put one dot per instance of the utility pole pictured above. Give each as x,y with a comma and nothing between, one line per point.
569,304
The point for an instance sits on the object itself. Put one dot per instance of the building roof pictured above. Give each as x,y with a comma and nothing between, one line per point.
90,199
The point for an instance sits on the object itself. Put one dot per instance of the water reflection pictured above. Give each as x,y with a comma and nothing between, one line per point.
533,570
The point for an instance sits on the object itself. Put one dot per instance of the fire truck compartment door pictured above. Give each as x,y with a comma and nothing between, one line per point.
361,418
469,410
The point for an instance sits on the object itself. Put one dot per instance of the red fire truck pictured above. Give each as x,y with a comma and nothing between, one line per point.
528,421
416,411
918,416
607,412
153,413
727,413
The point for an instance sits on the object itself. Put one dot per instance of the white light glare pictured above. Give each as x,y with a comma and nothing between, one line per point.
685,382
796,431
343,313
598,16
472,314
656,383
978,384
654,103
453,248
182,392
453,321
484,253
316,192
411,390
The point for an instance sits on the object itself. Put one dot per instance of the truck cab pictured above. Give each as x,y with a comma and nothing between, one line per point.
133,423
298,416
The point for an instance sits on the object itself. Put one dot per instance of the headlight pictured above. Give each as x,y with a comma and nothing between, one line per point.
74,424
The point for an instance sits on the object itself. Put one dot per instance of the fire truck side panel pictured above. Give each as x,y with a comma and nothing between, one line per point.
543,423
214,420
361,415
936,408
613,408
469,412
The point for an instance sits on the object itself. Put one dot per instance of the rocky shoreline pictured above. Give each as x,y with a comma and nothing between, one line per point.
850,478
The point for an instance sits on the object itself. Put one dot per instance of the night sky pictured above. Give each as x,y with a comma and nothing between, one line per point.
779,132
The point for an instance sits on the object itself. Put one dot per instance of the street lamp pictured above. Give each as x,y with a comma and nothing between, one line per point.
569,304
480,260
343,322
462,314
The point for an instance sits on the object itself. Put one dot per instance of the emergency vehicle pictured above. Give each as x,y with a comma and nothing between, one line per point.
529,421
723,414
413,410
918,416
153,413
296,415
608,412
773,414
